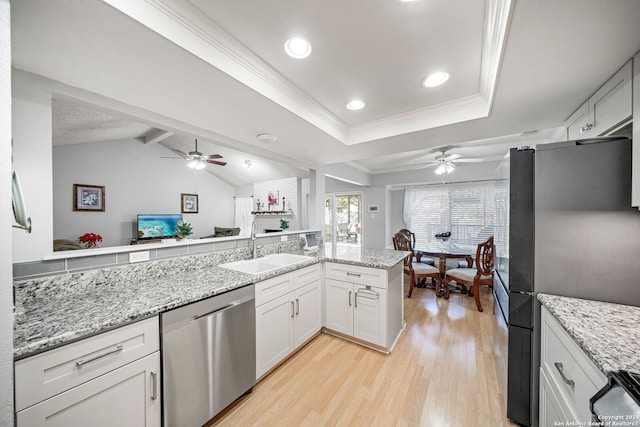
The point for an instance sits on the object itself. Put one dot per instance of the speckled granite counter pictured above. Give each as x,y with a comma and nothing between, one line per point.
53,311
608,333
377,258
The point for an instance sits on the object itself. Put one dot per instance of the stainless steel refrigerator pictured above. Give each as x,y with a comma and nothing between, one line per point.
572,232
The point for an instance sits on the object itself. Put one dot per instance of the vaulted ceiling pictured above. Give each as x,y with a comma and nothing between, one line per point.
218,70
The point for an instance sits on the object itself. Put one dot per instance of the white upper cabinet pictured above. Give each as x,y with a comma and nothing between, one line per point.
609,107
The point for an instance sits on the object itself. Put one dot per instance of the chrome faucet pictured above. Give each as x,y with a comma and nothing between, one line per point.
253,238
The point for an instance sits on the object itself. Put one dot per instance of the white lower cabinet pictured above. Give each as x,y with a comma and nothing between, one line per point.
364,303
126,397
111,379
568,378
288,317
356,310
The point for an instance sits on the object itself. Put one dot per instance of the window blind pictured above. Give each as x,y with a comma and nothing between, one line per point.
467,210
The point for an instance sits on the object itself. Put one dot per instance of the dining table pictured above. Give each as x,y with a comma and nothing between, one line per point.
444,250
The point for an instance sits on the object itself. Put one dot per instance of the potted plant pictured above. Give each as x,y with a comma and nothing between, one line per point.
183,229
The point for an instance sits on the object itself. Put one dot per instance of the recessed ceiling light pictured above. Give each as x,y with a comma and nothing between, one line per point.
297,47
266,138
407,1
435,79
355,104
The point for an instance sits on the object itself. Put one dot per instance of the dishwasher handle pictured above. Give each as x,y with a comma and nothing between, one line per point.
217,310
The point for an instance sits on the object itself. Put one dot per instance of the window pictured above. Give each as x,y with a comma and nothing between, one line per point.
467,210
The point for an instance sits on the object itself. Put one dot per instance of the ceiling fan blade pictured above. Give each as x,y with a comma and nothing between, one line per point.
451,157
213,156
179,153
430,165
469,160
215,162
174,158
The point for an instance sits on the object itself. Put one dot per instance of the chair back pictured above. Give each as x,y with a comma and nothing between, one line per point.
410,236
484,257
401,243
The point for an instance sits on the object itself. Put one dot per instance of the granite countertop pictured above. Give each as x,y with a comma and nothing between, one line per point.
65,308
377,258
608,333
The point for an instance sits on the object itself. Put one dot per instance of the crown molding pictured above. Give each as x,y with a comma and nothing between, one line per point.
186,26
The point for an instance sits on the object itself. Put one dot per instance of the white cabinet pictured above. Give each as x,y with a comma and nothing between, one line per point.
609,107
568,378
288,310
364,304
109,379
126,397
635,171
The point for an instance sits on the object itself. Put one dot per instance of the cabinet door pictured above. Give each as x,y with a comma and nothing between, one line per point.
551,408
307,320
612,103
339,306
370,315
127,396
578,122
274,333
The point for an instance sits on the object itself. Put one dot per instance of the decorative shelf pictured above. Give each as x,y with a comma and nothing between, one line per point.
272,213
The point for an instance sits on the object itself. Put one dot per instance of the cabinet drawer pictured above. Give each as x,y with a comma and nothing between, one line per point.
270,289
44,375
357,274
307,275
568,368
126,397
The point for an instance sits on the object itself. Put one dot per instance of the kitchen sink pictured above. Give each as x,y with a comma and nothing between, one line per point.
265,264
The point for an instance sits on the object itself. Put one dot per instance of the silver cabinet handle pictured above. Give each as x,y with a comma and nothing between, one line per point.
154,384
297,306
560,369
292,310
350,298
82,362
355,300
353,274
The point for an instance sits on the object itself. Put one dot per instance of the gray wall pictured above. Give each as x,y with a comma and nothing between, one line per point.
6,219
137,180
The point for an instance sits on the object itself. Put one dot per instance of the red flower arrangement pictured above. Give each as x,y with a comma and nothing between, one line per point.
90,239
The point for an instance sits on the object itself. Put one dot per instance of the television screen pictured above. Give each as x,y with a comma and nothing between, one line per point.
157,226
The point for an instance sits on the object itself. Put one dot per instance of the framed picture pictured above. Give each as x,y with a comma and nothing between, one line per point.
189,203
88,198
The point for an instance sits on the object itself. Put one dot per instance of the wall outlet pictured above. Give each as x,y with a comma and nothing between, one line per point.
138,256
283,238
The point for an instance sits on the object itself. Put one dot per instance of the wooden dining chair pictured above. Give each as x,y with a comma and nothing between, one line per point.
481,275
411,236
415,270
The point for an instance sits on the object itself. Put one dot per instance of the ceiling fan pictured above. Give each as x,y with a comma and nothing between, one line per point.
197,160
446,163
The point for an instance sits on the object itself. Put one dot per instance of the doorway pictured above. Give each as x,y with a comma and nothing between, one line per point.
343,223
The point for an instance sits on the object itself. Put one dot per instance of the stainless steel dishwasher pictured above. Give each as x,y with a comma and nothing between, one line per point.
208,356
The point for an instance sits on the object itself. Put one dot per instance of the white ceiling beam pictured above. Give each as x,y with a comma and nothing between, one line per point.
157,135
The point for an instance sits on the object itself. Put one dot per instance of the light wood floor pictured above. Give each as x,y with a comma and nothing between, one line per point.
444,371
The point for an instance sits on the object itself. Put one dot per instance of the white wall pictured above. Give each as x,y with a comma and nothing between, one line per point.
137,180
287,188
6,219
395,212
31,121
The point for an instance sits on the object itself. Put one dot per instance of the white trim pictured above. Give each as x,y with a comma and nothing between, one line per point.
189,28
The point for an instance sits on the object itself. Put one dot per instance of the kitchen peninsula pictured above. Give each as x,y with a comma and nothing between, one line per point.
62,312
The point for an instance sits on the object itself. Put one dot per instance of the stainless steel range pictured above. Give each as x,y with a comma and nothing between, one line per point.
618,403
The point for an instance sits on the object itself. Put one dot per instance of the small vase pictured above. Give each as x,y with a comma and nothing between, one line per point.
91,245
